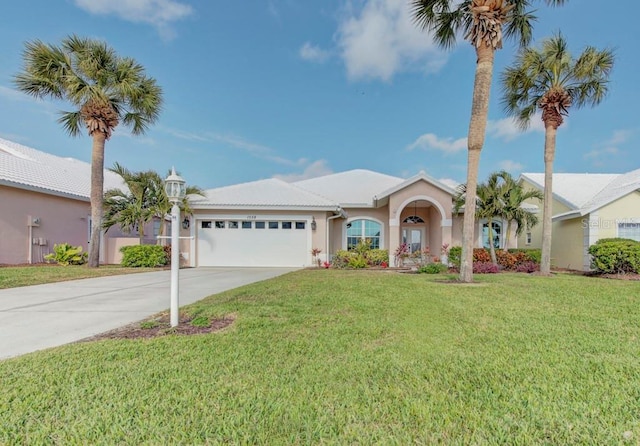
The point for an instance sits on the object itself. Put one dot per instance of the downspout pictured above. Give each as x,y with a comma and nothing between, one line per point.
341,213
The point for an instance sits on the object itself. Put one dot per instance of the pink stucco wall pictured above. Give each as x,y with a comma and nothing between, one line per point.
62,220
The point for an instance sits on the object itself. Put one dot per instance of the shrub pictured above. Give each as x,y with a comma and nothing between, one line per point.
341,259
455,256
432,268
485,268
527,267
143,256
357,261
506,260
376,257
615,256
533,255
481,255
65,254
401,253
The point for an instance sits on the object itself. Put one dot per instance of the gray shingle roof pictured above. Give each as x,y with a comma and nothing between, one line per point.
27,168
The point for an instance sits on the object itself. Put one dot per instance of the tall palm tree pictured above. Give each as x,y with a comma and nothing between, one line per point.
482,22
512,208
103,89
550,79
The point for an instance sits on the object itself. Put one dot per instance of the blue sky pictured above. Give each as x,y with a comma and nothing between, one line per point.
294,89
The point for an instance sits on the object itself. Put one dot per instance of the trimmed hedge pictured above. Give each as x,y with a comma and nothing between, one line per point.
615,256
143,256
360,259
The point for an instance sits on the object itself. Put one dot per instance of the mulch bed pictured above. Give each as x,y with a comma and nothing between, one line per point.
162,328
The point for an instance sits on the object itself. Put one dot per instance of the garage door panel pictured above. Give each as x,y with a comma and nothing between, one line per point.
252,247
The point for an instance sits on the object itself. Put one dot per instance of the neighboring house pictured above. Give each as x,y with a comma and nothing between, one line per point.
586,208
274,223
44,200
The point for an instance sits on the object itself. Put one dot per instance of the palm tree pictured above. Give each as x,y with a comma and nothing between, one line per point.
512,209
133,208
490,198
104,90
482,22
551,80
144,200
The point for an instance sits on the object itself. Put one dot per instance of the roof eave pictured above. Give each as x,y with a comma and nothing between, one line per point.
44,190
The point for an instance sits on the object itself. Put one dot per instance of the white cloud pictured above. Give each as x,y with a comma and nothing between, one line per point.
619,137
510,166
380,40
597,153
313,53
432,141
508,130
609,147
315,169
13,95
159,13
453,184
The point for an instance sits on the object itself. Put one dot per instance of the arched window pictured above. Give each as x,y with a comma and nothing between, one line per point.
496,233
413,219
358,230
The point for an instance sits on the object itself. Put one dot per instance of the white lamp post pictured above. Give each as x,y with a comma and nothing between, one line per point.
176,190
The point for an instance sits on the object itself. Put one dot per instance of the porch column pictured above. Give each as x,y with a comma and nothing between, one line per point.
446,225
394,241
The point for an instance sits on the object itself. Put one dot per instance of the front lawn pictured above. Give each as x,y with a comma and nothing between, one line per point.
353,357
17,276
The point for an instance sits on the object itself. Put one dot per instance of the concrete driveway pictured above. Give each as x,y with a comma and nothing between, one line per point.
42,316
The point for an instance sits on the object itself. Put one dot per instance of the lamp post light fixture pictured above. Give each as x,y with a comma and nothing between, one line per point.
174,186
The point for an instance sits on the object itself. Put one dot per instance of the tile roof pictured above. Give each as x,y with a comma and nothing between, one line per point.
27,168
588,192
352,188
271,193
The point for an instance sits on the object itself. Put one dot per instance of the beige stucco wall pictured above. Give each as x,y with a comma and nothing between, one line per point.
625,209
566,244
62,220
536,232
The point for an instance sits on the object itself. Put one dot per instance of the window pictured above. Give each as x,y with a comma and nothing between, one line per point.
246,225
156,227
273,225
205,224
359,230
259,225
629,230
529,238
233,225
286,225
300,225
415,219
496,234
219,224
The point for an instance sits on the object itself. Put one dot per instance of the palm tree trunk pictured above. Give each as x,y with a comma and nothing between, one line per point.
547,210
97,197
505,248
492,248
477,127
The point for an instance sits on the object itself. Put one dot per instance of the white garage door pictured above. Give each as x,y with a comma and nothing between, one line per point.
238,242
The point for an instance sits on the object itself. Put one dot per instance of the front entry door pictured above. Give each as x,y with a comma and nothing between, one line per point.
413,238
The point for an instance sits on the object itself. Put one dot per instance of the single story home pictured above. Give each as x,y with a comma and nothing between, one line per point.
586,208
44,200
275,223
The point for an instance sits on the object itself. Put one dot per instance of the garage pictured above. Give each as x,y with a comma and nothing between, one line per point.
253,241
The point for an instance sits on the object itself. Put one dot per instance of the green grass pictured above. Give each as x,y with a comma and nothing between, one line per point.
17,276
354,357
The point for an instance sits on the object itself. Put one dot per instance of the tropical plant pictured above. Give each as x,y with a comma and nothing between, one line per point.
550,79
513,210
144,200
482,22
143,256
104,90
65,254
